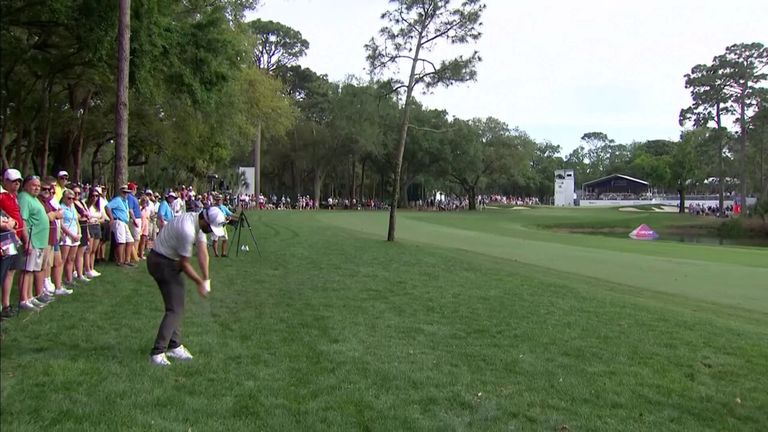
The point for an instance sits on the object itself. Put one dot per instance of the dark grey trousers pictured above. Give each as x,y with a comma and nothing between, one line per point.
168,276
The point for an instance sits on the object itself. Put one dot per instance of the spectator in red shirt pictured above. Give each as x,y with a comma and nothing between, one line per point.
10,206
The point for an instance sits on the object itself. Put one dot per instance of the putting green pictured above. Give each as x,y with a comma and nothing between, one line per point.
712,274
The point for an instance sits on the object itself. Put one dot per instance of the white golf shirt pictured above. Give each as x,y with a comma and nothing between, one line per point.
178,237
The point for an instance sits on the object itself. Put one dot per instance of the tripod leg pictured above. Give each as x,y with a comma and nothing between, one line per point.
229,249
255,243
239,231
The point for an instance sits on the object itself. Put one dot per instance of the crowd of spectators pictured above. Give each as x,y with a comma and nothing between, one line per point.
698,209
455,202
54,233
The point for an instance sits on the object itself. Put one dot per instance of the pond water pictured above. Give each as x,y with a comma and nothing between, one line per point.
760,242
683,238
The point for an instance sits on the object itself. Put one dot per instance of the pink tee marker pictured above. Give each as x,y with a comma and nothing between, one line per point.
643,232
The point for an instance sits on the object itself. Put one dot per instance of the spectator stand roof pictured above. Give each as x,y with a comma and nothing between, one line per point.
616,183
612,179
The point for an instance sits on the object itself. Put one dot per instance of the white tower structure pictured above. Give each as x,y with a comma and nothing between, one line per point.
564,188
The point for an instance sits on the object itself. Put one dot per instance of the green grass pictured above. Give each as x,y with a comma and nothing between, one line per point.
471,321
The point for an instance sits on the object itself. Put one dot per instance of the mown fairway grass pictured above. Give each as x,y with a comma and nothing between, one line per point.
471,321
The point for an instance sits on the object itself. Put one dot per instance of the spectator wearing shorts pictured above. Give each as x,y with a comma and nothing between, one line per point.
118,211
83,216
8,251
223,238
9,205
153,204
36,220
135,222
97,216
106,226
52,264
70,239
146,212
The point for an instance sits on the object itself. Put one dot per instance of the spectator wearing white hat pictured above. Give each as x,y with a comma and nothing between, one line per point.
106,230
164,210
178,205
62,178
118,211
9,205
167,260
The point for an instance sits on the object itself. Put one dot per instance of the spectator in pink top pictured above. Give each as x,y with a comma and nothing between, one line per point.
146,212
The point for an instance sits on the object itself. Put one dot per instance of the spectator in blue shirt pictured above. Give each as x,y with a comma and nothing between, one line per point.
118,211
164,211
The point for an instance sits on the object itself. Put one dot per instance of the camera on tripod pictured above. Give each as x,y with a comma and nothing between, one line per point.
238,222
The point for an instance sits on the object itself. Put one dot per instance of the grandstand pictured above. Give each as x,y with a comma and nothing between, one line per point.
616,187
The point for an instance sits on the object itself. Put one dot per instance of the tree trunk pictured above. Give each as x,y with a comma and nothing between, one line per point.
362,181
257,160
77,153
318,181
291,181
404,195
721,173
46,128
121,109
94,160
743,150
681,208
472,197
383,186
3,143
763,189
19,146
401,146
353,183
29,160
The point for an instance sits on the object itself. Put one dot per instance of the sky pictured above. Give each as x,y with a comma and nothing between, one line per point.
554,68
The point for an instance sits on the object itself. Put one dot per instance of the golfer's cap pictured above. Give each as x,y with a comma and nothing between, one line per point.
171,194
97,189
132,186
12,174
216,219
148,192
62,173
124,188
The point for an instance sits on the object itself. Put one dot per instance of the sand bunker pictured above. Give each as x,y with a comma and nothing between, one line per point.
661,208
668,209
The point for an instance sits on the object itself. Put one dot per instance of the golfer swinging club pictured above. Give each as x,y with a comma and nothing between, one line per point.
167,260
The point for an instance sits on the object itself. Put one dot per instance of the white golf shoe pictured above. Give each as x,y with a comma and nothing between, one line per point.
159,360
179,353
